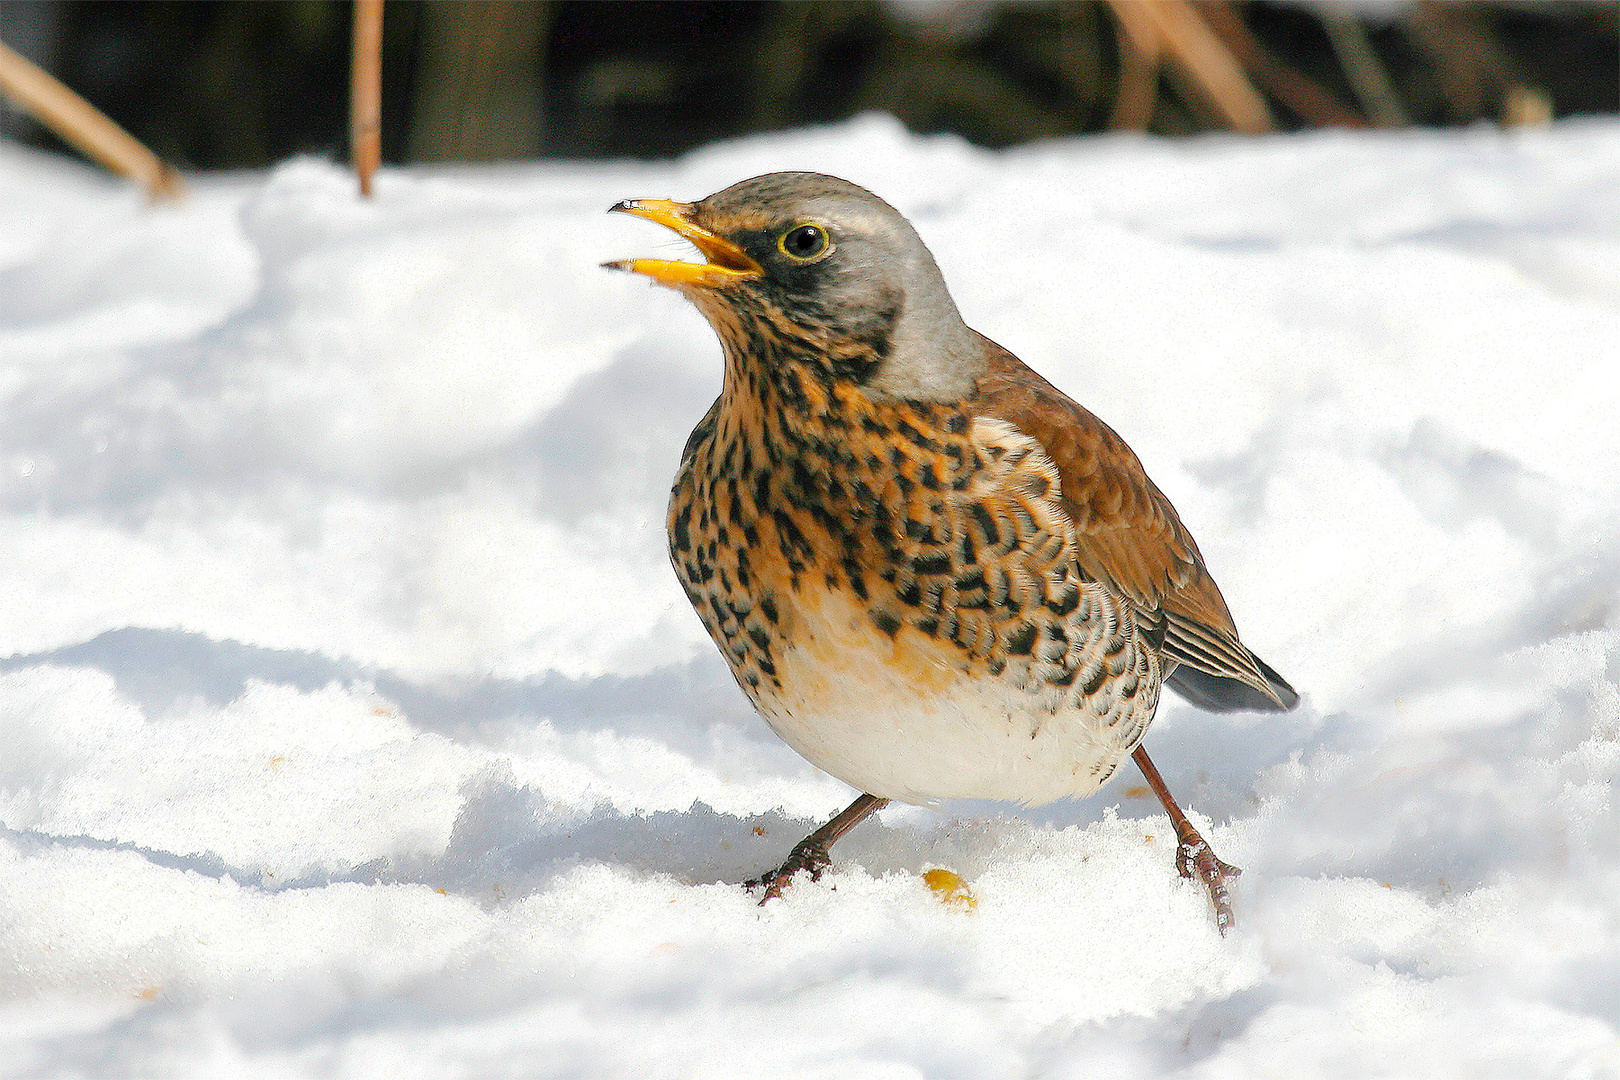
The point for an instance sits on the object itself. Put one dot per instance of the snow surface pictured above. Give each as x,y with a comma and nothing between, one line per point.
353,724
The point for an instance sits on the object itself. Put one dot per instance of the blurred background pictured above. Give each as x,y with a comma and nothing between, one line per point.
245,84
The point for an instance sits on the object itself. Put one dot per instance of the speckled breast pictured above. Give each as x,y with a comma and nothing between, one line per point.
893,585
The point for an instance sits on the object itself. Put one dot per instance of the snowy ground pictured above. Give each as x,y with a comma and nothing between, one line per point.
352,725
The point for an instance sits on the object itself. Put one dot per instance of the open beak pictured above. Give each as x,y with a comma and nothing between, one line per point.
727,263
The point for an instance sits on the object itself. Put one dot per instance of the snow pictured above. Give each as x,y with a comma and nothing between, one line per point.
354,725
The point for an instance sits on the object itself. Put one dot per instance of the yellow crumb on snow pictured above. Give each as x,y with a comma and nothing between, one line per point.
950,888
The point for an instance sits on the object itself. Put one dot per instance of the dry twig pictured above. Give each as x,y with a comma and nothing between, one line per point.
1309,100
82,124
1139,58
1365,72
365,97
1174,28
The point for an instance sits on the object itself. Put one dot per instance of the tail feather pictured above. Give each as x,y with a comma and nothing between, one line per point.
1219,693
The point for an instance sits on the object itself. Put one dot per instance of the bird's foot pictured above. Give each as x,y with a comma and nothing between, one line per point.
811,856
1195,859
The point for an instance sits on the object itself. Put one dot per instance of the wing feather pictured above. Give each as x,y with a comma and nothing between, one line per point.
1127,535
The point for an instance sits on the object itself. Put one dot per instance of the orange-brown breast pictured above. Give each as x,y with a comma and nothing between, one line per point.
895,586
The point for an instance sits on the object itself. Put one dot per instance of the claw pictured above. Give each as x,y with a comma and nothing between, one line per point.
811,852
1196,858
810,857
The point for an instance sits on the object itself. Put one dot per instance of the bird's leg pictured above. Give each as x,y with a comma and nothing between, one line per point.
811,852
1193,854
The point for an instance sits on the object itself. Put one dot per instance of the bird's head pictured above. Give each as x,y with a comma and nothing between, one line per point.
810,270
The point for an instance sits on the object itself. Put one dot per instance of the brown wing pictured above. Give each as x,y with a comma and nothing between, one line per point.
1128,537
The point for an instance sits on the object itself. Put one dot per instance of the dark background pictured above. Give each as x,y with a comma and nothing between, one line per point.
244,84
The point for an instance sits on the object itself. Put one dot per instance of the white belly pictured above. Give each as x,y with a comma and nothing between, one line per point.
898,718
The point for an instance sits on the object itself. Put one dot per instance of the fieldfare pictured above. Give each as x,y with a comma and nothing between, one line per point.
934,574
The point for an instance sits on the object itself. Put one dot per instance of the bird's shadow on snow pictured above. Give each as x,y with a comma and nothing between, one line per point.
509,842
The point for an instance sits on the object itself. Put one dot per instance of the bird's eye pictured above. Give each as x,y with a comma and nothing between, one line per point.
804,242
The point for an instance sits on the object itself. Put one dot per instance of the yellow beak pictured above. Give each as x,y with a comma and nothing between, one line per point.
727,263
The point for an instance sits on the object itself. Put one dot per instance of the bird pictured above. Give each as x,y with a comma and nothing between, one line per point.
933,573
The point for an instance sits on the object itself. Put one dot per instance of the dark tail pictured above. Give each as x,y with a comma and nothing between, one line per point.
1218,693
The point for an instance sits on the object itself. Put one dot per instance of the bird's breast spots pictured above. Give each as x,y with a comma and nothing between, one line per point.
680,529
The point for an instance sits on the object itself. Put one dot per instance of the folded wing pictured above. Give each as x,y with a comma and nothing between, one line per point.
1129,539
